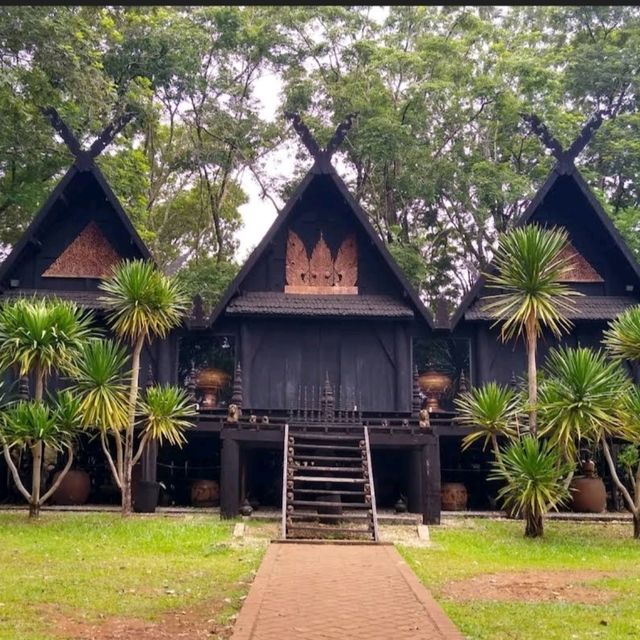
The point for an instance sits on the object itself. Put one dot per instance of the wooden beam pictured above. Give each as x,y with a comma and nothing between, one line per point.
230,478
431,482
110,132
63,130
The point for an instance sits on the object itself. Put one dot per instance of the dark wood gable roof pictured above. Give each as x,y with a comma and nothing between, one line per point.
74,172
324,168
560,170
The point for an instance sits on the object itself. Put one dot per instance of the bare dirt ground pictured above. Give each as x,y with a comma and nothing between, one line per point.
195,623
531,586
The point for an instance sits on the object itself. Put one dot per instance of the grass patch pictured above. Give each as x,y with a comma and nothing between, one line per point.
475,547
98,565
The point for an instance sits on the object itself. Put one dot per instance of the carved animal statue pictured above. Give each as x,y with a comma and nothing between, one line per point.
233,413
423,419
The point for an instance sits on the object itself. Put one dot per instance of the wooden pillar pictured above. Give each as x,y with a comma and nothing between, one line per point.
414,484
230,478
431,481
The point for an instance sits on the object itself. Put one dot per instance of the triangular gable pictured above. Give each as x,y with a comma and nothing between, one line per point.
360,216
57,201
557,173
90,255
578,269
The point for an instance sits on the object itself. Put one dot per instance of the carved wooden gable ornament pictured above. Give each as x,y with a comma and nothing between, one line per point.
578,270
320,273
90,255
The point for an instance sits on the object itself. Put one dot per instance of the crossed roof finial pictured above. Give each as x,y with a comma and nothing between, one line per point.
321,156
85,157
564,157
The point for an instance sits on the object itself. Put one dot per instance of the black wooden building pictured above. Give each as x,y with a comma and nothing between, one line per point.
320,333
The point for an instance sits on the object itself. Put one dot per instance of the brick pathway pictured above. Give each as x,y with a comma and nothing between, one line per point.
339,592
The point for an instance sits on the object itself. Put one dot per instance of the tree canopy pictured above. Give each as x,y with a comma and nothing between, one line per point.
439,154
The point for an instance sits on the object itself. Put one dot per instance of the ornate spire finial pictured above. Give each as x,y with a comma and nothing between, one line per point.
236,397
416,398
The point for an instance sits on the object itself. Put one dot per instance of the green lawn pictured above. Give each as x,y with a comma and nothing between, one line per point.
473,547
96,566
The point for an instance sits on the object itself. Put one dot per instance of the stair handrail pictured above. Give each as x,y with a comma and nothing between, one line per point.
371,486
285,472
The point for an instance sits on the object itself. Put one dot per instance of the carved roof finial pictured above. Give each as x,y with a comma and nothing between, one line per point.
85,157
320,155
566,157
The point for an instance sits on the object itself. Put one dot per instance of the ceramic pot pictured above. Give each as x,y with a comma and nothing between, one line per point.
453,496
205,493
74,488
434,385
588,494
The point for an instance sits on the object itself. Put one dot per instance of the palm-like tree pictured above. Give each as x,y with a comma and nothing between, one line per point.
530,265
622,339
493,411
41,336
579,398
142,303
532,470
34,425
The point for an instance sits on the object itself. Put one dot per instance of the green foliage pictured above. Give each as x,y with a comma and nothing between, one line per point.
532,470
100,383
141,301
164,412
208,278
43,334
622,337
493,410
629,459
529,268
29,422
580,398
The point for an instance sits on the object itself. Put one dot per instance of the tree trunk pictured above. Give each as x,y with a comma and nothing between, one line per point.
36,474
129,436
534,527
636,525
531,374
36,453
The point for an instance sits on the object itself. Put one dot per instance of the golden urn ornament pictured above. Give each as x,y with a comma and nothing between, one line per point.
209,382
435,386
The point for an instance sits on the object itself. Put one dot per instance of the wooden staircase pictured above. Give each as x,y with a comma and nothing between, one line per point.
328,484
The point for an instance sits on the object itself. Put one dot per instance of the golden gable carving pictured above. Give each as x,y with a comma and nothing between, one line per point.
320,273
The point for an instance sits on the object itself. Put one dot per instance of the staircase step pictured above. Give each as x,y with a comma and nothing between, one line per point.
324,436
328,516
326,529
297,467
323,503
329,479
326,446
331,492
311,458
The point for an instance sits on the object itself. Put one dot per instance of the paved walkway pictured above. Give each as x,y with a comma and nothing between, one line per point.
339,592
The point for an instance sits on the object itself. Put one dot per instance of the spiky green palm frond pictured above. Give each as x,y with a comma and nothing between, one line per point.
492,409
622,337
532,470
29,422
141,301
165,412
46,332
67,409
100,381
580,397
629,415
530,265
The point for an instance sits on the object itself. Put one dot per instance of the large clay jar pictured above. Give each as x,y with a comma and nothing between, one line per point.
453,496
588,494
205,493
74,488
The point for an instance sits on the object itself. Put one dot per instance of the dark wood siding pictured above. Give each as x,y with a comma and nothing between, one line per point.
368,362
